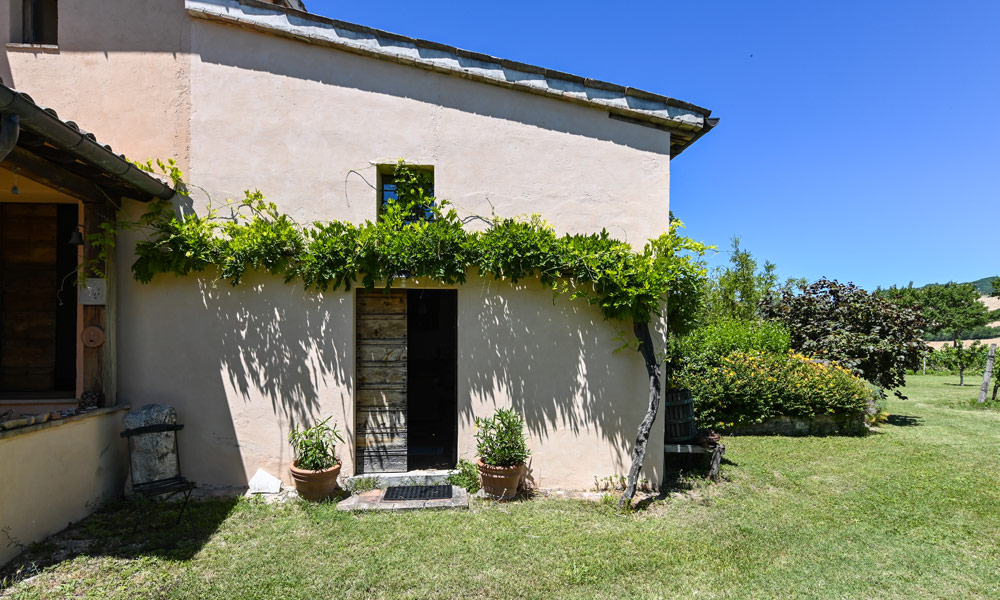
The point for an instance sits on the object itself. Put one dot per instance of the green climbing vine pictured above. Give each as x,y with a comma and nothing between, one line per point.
419,235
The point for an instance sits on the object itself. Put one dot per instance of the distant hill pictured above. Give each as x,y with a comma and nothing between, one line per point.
984,285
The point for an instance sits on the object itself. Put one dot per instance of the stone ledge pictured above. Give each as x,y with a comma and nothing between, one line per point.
9,433
799,426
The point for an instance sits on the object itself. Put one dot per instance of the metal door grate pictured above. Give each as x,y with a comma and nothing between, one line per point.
417,492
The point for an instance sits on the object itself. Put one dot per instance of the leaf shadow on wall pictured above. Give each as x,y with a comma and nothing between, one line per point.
554,362
285,344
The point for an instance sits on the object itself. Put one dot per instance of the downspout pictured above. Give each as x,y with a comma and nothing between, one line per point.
9,131
84,146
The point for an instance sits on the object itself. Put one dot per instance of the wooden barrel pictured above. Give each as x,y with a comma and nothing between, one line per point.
678,417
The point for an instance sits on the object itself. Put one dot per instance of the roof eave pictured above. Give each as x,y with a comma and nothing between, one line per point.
686,122
66,136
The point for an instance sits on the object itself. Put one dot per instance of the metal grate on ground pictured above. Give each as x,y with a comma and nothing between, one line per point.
417,492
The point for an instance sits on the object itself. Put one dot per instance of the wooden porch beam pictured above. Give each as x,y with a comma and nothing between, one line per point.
48,174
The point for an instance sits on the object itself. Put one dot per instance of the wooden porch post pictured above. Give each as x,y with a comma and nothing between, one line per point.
98,360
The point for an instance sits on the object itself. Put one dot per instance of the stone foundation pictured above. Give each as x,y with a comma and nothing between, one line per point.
821,425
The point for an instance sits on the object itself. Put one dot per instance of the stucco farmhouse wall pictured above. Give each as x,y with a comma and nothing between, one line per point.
308,125
242,364
57,475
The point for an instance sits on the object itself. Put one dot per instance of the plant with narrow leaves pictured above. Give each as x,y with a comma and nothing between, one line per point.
500,439
315,447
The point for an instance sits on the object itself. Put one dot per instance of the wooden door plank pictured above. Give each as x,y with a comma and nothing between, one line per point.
381,368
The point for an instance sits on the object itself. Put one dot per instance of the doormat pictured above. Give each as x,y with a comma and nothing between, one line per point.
417,492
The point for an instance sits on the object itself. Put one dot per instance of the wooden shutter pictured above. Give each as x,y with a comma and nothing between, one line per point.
380,415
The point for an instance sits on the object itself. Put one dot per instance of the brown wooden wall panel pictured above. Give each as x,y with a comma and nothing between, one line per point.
29,279
375,399
381,327
17,210
19,278
39,300
27,325
380,303
381,351
380,400
384,421
28,353
28,229
381,461
21,379
390,376
28,253
37,333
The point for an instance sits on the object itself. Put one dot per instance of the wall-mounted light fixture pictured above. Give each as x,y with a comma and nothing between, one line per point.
76,238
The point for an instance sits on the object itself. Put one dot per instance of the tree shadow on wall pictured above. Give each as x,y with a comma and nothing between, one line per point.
555,360
285,344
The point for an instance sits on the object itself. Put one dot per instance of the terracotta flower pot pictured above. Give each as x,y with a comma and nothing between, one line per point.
500,482
315,485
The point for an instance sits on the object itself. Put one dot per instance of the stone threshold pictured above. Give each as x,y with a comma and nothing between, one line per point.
426,477
373,500
96,412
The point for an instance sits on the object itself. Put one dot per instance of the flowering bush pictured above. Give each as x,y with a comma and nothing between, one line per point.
750,387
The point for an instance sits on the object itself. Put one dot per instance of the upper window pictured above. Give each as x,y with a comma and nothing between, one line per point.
39,22
415,185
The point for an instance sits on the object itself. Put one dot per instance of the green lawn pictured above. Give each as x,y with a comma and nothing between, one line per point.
911,512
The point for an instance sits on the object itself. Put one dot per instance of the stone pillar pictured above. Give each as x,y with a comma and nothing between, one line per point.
154,455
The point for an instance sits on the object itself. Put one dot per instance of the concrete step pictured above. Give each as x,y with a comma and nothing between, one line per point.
373,500
428,477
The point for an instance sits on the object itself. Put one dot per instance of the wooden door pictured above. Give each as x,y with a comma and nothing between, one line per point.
380,408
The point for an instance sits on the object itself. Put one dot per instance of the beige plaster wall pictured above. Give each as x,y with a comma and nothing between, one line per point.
58,475
294,120
243,364
120,70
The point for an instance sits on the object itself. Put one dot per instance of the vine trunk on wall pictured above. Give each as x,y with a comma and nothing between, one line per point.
419,235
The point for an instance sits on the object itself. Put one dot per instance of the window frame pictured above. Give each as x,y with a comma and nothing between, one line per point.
35,22
386,177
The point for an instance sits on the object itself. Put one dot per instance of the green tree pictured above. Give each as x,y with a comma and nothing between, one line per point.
962,358
951,307
735,292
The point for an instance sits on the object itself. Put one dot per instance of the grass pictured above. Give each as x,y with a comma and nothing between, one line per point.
910,512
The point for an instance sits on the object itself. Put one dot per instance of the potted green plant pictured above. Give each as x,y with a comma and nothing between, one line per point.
502,453
316,466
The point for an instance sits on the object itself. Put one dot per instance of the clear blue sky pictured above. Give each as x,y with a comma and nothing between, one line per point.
860,140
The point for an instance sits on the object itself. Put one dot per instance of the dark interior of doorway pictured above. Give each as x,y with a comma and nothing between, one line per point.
37,300
432,379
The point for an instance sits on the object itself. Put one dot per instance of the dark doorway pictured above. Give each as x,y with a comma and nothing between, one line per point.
37,300
431,381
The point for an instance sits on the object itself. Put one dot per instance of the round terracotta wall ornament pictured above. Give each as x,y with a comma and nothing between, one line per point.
93,336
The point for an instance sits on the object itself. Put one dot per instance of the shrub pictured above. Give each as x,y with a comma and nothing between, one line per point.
709,344
500,439
467,476
315,447
752,387
867,334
